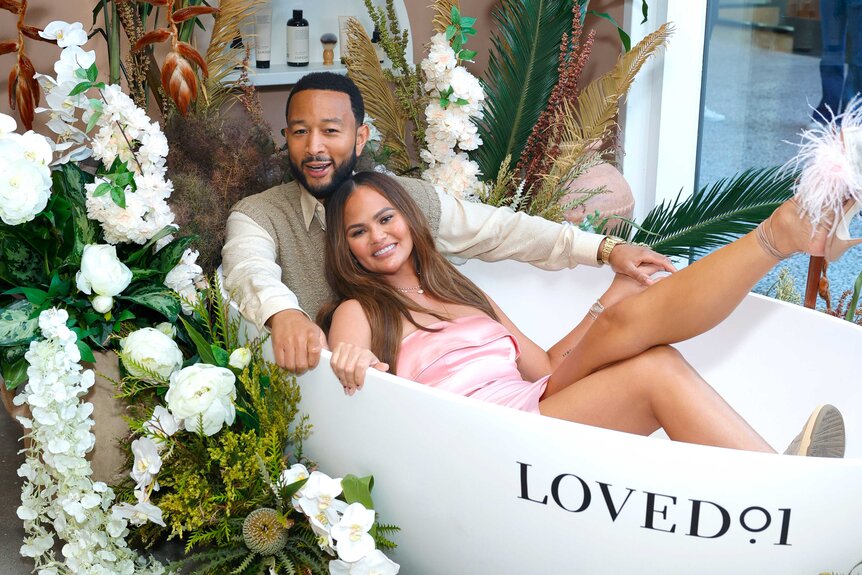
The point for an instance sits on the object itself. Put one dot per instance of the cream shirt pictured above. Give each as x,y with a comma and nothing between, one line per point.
467,230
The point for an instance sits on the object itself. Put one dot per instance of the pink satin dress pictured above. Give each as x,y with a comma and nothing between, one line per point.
473,356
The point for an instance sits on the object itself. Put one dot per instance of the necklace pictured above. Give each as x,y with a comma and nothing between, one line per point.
418,289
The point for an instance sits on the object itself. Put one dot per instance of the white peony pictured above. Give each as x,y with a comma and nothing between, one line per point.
24,191
239,358
202,395
102,272
150,348
375,563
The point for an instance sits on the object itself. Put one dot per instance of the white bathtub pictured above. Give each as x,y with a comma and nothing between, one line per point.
480,489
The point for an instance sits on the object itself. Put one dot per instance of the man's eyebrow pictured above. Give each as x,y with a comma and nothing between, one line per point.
322,121
377,215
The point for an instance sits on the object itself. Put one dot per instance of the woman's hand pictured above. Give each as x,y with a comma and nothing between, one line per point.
350,362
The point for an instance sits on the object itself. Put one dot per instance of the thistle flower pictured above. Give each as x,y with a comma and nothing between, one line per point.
263,532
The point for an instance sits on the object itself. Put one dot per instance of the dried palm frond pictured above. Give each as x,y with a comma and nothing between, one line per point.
220,58
586,125
443,14
364,69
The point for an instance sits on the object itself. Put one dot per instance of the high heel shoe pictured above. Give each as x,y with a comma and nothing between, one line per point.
829,187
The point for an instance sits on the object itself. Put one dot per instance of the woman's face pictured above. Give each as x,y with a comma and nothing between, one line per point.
377,234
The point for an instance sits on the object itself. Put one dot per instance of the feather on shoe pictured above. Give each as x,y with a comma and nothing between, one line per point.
830,164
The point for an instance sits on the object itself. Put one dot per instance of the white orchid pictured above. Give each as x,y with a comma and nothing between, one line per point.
147,463
162,424
352,540
139,513
65,34
375,563
72,59
317,498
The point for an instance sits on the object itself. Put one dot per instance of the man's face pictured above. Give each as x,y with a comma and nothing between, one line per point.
323,140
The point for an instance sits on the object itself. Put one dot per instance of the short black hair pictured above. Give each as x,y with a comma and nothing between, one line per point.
335,83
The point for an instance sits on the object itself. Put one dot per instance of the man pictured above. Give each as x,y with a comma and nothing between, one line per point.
274,252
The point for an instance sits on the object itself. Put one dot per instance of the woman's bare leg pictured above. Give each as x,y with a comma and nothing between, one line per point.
655,389
687,303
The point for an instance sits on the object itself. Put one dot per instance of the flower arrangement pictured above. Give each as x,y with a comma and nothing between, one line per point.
209,461
455,104
99,265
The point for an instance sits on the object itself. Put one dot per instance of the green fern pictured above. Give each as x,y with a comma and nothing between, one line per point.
716,215
522,71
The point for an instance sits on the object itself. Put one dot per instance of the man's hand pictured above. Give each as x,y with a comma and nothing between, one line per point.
296,340
638,262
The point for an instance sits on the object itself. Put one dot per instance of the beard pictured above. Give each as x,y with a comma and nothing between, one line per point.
340,174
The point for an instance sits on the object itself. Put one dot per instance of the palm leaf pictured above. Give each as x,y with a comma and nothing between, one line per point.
718,214
221,60
443,14
364,69
522,71
598,105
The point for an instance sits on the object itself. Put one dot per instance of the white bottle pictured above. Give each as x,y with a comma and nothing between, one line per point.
297,40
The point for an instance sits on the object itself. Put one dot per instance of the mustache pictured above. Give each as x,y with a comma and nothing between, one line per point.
316,159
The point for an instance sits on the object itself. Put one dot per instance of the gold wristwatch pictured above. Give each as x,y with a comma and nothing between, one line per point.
609,243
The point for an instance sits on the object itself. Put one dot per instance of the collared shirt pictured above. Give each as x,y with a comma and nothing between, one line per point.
466,230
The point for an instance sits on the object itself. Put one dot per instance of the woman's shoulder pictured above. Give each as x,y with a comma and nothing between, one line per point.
349,310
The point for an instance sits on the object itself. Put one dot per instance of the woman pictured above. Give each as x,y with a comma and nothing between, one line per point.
401,307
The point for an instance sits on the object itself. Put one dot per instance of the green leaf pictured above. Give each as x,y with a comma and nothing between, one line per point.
58,287
92,72
467,54
358,490
220,356
462,102
644,10
469,31
624,37
91,123
102,189
35,296
714,216
467,22
156,298
144,273
86,351
18,324
96,104
201,344
15,374
450,32
80,88
521,72
119,196
125,315
456,16
854,299
81,74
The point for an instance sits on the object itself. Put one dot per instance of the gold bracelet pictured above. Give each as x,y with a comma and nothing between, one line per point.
610,242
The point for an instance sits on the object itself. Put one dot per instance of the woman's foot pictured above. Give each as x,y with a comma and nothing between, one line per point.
789,231
822,435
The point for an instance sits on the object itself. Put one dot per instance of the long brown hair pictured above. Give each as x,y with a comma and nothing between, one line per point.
383,304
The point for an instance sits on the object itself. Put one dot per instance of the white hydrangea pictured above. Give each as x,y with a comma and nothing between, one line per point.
451,128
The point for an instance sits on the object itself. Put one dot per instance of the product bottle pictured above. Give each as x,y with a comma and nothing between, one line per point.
262,32
297,40
378,47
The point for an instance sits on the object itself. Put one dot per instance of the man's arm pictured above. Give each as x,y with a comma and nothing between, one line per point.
253,278
473,230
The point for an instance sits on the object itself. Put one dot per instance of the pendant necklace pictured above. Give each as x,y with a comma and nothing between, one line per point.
418,289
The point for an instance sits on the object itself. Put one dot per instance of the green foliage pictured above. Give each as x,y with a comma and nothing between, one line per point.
715,215
522,71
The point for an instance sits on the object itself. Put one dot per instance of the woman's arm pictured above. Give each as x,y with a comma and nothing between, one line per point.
534,361
350,339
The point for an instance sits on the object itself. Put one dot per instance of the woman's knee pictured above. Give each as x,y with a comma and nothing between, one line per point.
665,369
